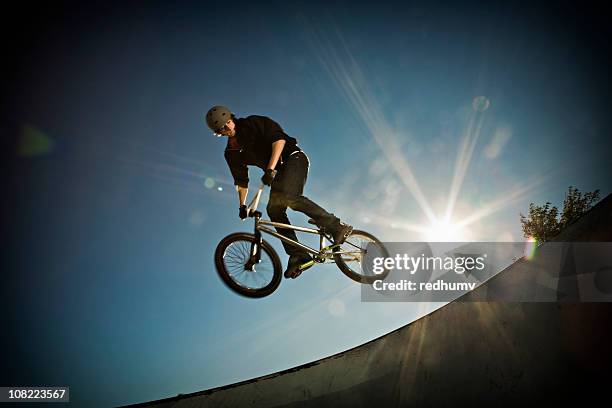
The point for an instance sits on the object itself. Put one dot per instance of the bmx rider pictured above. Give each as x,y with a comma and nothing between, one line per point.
260,141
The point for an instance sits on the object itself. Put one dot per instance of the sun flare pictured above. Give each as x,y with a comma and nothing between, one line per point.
445,231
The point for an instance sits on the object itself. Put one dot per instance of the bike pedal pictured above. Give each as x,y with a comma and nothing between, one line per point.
307,265
348,233
301,269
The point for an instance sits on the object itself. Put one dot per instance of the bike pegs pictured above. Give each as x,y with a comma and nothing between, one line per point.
319,259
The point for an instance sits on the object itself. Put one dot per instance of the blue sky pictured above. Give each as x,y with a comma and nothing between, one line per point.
119,205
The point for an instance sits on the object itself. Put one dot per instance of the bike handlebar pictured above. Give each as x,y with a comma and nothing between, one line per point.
252,207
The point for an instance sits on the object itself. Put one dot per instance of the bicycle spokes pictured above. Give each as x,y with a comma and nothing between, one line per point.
244,269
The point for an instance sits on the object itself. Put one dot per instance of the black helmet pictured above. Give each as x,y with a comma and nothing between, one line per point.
217,117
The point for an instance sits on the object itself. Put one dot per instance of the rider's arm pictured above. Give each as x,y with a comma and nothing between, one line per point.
277,149
239,170
273,133
242,194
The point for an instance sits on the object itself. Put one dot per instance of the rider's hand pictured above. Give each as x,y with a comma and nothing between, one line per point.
243,212
268,177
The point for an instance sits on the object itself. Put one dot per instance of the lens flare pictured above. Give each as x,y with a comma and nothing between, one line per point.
531,246
481,103
209,182
33,142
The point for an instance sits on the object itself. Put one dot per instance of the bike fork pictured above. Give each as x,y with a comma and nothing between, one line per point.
255,254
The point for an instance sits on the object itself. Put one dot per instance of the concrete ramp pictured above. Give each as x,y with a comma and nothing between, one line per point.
476,350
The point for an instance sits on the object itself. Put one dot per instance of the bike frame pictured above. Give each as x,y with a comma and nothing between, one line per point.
323,253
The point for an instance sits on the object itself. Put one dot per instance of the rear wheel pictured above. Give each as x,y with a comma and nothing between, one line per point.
232,262
350,257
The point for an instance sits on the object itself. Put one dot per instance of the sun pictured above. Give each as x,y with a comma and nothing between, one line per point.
445,231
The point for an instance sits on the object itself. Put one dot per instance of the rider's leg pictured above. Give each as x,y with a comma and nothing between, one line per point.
313,210
292,179
277,211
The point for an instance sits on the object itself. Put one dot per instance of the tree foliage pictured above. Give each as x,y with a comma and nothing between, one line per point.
543,221
576,204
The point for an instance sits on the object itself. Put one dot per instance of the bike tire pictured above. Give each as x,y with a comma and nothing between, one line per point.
352,271
241,241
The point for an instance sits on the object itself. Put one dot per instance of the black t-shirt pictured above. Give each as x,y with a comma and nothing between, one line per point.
255,135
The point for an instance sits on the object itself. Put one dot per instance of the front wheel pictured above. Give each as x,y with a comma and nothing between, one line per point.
350,256
234,266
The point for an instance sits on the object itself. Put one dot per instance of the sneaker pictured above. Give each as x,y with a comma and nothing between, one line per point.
294,264
341,232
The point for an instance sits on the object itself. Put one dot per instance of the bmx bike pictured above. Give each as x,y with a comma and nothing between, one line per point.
250,266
